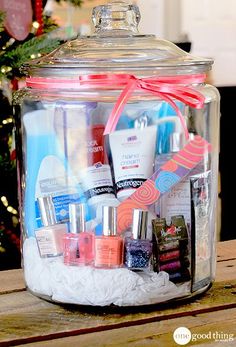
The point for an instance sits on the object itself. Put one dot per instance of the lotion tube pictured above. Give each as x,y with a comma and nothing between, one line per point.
133,152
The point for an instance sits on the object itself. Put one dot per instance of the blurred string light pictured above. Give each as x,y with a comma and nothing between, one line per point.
33,56
7,121
8,43
10,209
35,25
5,69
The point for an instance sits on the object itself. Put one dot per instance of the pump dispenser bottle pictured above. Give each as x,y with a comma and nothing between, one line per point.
79,243
50,236
138,249
109,246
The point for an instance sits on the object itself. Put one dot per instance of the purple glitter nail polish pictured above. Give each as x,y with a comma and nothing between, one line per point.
138,250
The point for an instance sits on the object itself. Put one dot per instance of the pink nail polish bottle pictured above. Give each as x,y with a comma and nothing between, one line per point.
109,246
79,243
50,236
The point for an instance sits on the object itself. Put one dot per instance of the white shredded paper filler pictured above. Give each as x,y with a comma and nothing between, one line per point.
86,285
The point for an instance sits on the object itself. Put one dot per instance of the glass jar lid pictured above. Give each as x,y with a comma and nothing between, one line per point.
117,47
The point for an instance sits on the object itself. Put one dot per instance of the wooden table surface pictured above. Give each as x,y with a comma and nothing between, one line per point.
26,320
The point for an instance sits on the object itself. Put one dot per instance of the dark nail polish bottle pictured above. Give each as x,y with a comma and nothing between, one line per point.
138,249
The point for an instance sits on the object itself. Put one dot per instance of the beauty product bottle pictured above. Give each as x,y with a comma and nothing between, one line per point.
96,177
176,143
50,236
109,246
138,249
78,244
133,152
201,233
177,200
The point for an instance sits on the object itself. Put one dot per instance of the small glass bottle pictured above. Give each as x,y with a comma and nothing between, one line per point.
178,199
78,244
109,246
50,236
138,249
176,143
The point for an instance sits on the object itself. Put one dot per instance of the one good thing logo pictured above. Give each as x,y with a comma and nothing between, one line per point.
182,336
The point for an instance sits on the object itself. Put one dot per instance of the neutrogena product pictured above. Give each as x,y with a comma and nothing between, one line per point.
132,153
96,177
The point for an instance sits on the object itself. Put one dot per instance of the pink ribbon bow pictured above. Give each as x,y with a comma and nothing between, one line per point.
168,88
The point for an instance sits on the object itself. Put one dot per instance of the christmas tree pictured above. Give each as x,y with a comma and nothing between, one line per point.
14,53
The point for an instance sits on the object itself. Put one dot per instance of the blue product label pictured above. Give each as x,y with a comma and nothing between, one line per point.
61,204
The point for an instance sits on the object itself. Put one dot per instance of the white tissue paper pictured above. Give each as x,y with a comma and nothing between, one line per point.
98,287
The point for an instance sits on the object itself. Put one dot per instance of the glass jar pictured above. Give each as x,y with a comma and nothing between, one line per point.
119,122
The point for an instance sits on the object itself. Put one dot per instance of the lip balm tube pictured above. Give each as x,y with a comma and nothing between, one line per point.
167,256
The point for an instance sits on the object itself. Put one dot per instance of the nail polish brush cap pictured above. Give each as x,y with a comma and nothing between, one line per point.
77,218
47,211
139,228
109,219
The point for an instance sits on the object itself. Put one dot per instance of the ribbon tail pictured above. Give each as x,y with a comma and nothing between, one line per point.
181,118
175,107
119,106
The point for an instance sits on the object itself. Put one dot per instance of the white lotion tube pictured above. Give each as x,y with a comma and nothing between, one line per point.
133,152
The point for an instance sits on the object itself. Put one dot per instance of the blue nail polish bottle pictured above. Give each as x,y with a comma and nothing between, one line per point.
138,249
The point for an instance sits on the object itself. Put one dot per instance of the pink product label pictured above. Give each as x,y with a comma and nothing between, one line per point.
95,145
162,181
169,256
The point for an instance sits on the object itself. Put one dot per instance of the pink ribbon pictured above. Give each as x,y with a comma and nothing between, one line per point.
167,88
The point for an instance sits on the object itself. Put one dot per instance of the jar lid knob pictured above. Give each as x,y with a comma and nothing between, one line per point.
118,16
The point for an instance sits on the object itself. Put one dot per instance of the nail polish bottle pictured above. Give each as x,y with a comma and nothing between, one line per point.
78,243
109,246
138,249
50,236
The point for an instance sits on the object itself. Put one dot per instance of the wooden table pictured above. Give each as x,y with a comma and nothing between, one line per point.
28,320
